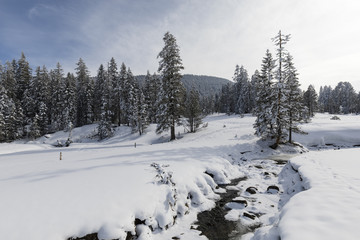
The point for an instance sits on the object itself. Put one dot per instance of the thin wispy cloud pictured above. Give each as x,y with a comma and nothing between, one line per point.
213,36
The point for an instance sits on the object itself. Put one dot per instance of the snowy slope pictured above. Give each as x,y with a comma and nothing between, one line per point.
105,187
330,206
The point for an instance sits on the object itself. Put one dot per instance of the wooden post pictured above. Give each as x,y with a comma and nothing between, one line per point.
60,155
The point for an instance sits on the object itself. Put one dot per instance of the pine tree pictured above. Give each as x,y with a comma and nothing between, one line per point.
311,100
171,103
9,81
141,114
99,92
57,99
295,106
23,76
241,97
34,128
265,107
254,86
193,111
101,104
70,102
84,93
151,91
280,115
114,91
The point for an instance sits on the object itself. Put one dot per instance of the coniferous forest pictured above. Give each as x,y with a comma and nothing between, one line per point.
34,102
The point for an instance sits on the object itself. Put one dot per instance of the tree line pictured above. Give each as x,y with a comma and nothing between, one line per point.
48,101
274,96
32,105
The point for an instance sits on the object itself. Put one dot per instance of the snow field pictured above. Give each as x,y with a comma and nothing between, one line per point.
329,208
156,189
104,186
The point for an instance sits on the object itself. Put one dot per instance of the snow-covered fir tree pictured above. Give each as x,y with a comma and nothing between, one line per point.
172,90
265,98
193,111
141,114
295,107
70,102
253,88
311,100
115,91
151,92
280,103
101,104
57,99
84,94
242,90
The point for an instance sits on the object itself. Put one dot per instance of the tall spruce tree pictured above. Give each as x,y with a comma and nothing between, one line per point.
57,99
114,91
311,100
241,96
265,108
280,88
193,112
84,93
294,103
172,94
70,102
101,104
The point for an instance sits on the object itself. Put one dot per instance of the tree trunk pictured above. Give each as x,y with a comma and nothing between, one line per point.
172,130
290,128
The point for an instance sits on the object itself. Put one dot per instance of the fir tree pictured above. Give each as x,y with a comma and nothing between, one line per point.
70,101
311,100
241,97
114,91
193,111
265,107
280,88
84,94
57,99
151,91
171,103
294,98
102,105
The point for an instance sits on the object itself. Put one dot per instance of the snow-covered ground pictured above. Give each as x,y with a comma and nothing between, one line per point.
106,187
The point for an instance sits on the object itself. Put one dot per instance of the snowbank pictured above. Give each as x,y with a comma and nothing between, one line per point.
330,206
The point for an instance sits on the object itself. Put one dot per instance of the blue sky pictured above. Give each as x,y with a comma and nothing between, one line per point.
213,35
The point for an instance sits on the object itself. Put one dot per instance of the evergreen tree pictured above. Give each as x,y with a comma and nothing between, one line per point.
141,114
84,94
295,106
22,75
325,101
265,108
102,104
100,92
171,103
57,99
114,91
254,86
151,91
242,95
70,102
193,110
9,81
311,100
280,88
34,128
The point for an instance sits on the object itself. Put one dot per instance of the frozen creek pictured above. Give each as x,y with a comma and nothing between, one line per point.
246,203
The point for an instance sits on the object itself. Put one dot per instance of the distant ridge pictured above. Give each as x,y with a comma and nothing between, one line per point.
206,85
